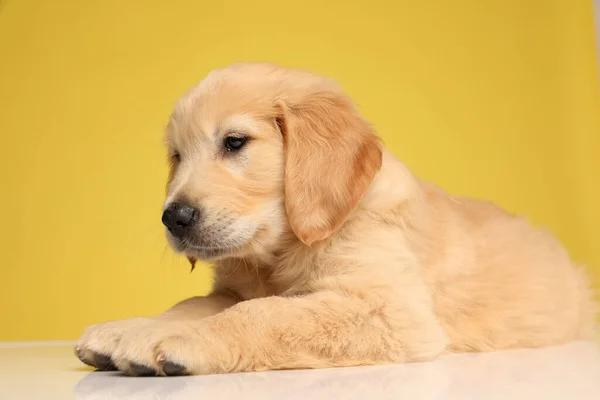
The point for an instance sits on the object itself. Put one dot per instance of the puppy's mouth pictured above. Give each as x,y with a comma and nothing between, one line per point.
203,251
208,253
189,232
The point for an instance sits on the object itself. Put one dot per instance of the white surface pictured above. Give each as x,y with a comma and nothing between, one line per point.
569,372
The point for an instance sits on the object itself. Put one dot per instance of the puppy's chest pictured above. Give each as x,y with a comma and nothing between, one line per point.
282,280
290,275
295,271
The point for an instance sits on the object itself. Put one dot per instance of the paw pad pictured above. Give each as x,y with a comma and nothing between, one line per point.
173,369
100,361
103,362
136,369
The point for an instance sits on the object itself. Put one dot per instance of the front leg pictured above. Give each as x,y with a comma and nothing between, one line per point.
98,343
324,329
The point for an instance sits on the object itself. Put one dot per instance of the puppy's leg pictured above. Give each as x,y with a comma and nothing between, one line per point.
98,342
199,307
323,329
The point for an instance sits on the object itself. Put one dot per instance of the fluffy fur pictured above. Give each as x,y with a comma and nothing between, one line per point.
328,251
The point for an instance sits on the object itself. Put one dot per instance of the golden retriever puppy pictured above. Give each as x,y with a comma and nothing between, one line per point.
327,251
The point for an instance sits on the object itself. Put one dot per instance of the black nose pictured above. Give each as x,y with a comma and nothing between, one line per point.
178,218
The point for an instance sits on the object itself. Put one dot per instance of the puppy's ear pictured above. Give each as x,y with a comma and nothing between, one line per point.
331,157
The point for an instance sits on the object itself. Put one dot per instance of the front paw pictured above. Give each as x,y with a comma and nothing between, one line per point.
98,343
162,348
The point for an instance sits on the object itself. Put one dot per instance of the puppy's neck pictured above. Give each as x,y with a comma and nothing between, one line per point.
394,184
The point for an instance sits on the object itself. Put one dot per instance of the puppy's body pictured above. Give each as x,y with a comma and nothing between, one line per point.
488,278
328,251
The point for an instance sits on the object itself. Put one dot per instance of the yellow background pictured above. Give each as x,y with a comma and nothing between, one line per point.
496,99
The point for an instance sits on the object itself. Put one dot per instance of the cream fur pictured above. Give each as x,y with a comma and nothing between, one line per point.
329,252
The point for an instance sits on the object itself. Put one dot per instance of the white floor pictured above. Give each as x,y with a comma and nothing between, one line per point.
568,372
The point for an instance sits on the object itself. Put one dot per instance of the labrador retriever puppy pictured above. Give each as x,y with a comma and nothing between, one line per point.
327,250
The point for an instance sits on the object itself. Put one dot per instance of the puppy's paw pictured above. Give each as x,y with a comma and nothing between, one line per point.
98,342
162,348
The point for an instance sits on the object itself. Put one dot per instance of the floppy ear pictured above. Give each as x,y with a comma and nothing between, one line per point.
331,157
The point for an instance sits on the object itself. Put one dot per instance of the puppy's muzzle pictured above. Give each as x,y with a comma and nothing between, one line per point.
180,219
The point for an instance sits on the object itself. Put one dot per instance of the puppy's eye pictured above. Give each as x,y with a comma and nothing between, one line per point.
176,157
234,143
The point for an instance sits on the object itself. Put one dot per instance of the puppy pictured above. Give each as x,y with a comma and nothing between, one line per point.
328,252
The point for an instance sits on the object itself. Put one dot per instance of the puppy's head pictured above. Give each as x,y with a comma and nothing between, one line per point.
257,151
